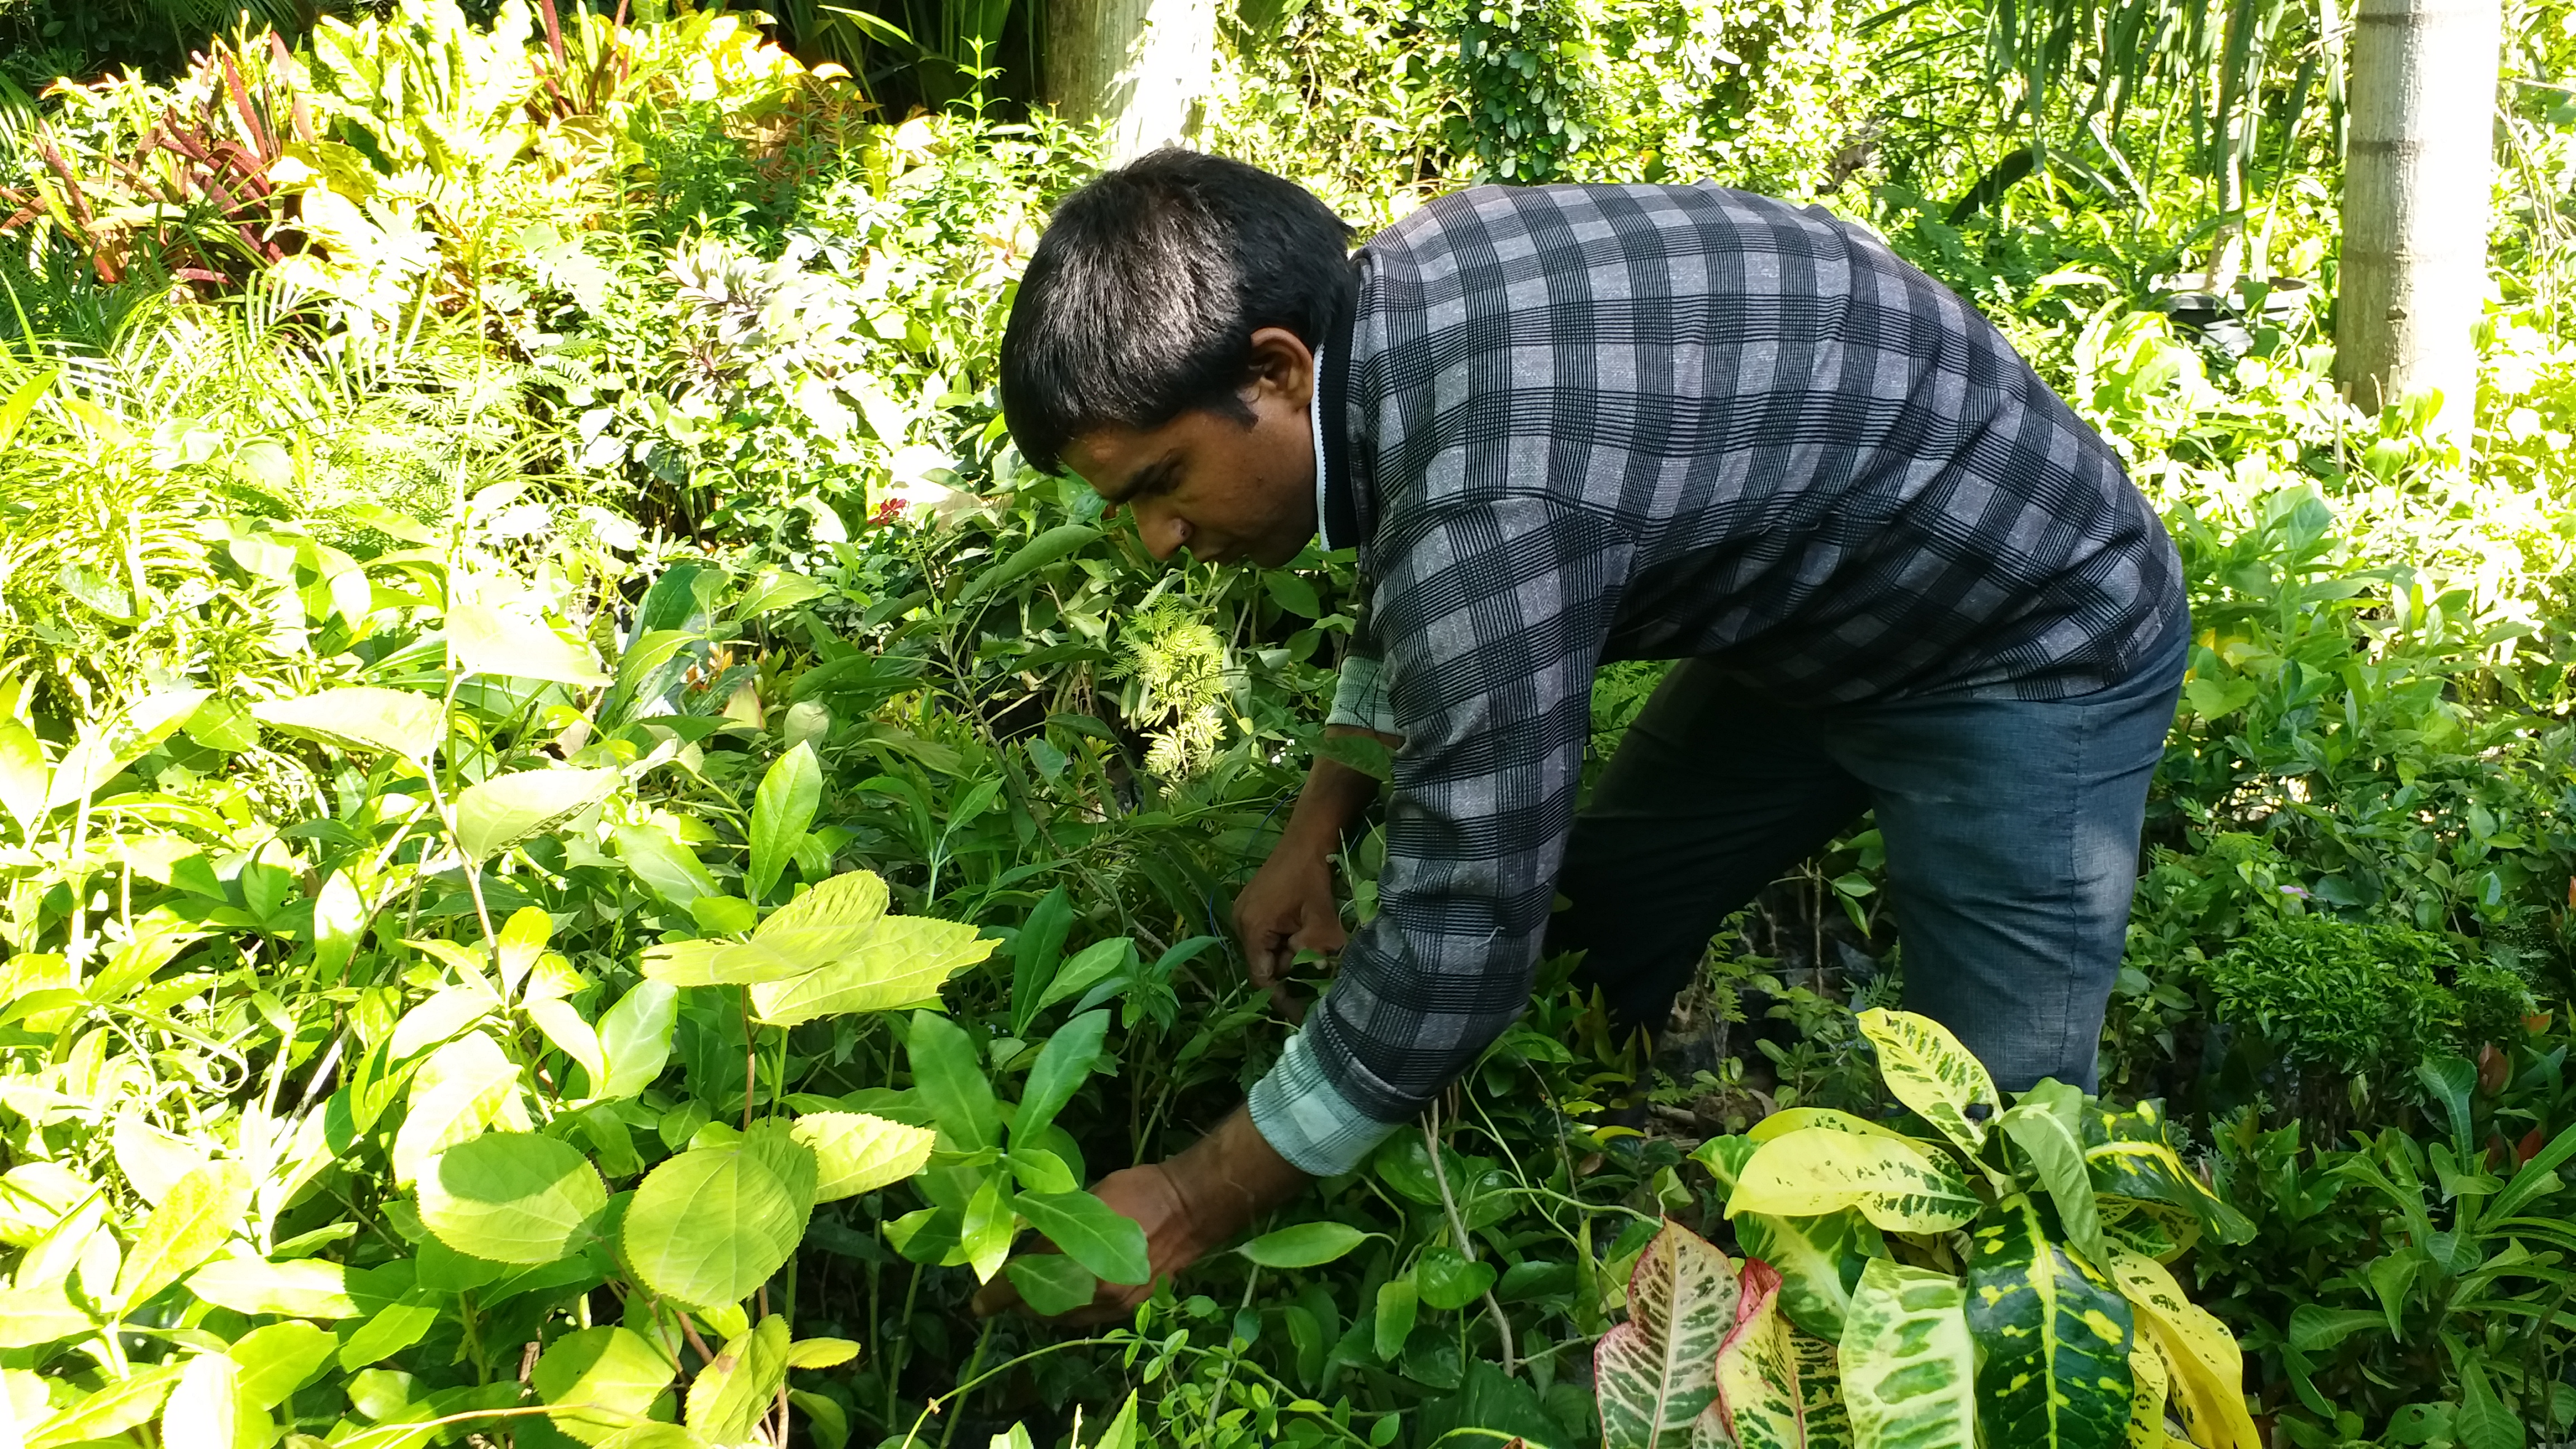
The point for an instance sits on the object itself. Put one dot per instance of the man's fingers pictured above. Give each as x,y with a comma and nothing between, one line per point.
1287,1005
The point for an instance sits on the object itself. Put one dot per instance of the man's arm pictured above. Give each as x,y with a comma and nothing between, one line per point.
1288,905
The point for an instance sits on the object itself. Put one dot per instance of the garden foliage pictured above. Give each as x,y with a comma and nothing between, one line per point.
583,848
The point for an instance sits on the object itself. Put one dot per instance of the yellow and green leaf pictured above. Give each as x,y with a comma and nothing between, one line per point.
2053,1337
1819,1260
1759,1402
1909,1367
1930,1072
2147,1396
2150,1173
1656,1373
1819,1171
2208,1371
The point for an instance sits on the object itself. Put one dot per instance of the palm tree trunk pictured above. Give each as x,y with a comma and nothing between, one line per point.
2417,173
1139,68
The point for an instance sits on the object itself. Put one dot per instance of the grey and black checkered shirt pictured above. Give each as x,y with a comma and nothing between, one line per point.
1571,424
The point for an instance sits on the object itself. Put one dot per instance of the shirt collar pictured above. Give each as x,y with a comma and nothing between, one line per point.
1337,512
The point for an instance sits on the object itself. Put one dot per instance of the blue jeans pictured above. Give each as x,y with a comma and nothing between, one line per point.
2012,846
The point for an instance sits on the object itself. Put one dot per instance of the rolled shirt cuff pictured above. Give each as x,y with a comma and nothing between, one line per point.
1307,1120
1359,698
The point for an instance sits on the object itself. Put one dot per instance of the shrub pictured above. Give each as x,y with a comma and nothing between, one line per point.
2331,994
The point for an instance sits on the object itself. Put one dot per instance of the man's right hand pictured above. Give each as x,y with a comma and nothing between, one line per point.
1288,907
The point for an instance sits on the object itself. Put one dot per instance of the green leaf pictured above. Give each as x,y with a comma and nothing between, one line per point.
111,1411
2449,1081
984,1233
506,809
223,723
1092,1231
821,1353
713,1223
1307,1245
1449,1280
1089,967
828,923
277,1360
1909,1365
2315,1328
22,400
1819,1260
663,864
512,1197
1761,1399
602,1379
1292,593
302,1288
204,1408
1399,1302
855,1152
2056,1158
1364,753
388,1331
339,918
486,641
24,777
409,725
1035,954
2483,1422
1656,1373
40,1314
730,1395
946,1070
776,589
1818,1171
1061,1068
784,805
1051,1283
1928,1070
199,1212
2053,1338
635,1038
1037,553
2213,699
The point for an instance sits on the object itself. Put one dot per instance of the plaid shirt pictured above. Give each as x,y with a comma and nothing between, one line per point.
1571,424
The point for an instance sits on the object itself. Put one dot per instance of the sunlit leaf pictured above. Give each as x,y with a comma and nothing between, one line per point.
511,1197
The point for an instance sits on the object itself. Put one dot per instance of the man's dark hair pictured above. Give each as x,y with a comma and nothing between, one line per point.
1141,302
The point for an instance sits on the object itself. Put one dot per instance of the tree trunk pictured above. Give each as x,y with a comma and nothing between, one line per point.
2417,171
1139,68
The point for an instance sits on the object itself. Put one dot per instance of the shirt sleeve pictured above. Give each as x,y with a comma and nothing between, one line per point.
1489,624
1359,694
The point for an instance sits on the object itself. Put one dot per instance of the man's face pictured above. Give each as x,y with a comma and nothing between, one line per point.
1207,483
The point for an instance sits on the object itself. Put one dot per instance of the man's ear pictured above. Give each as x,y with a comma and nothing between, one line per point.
1280,365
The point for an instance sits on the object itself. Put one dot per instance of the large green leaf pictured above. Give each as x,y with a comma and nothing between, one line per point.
635,1038
511,1197
2053,1338
601,1380
711,1224
903,963
277,1360
1038,552
1819,1260
729,1396
409,725
24,777
1307,1245
825,925
1656,1373
1091,1232
506,809
855,1152
1062,1066
1761,1403
204,1408
487,641
1928,1070
1819,1170
948,1073
2048,1141
781,809
298,1288
1909,1366
668,868
195,1216
2143,1173
109,1412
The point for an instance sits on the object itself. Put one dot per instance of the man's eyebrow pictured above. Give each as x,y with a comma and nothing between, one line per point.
1145,480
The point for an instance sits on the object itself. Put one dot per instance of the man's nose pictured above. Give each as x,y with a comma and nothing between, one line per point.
1163,532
